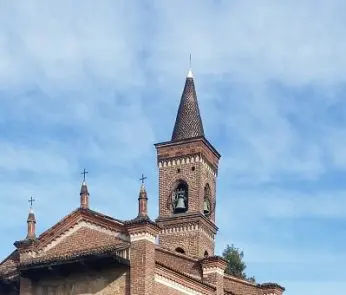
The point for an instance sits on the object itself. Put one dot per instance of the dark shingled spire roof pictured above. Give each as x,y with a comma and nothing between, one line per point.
188,123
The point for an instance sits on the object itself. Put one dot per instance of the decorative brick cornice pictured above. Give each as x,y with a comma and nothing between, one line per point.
213,264
142,236
212,270
200,139
195,158
142,228
173,229
187,219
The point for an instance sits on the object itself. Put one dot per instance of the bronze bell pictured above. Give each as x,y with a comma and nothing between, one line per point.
180,207
206,207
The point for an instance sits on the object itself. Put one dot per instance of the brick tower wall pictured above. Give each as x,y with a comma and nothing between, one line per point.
195,174
195,163
193,241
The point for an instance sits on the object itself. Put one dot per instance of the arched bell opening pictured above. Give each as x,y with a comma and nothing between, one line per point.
207,202
180,250
180,199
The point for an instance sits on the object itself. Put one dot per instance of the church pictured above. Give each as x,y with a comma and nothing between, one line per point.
88,252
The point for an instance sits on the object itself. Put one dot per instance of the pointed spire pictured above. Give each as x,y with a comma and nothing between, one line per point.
31,221
84,193
188,123
143,200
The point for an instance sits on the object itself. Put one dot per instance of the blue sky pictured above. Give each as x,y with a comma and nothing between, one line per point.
95,85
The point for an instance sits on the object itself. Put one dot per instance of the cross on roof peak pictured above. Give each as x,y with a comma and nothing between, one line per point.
143,178
84,173
31,201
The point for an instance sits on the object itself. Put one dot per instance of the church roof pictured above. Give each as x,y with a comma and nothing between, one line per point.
188,123
71,256
8,267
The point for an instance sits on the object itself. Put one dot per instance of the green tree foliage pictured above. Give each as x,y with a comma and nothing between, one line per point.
236,266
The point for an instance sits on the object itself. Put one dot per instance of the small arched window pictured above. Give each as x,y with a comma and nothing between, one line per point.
206,253
207,200
180,199
180,250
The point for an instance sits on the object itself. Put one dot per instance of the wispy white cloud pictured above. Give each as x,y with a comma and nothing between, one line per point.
282,203
96,85
34,160
292,42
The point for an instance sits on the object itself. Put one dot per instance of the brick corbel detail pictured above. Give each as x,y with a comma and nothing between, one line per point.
27,248
213,272
142,257
271,289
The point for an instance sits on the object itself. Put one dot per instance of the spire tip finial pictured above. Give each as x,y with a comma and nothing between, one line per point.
189,74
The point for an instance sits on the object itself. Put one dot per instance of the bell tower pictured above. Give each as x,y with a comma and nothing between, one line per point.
188,166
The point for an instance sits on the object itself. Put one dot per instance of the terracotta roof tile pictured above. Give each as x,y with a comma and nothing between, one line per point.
8,267
59,258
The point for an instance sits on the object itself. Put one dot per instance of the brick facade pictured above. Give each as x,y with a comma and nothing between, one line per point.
143,234
105,281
